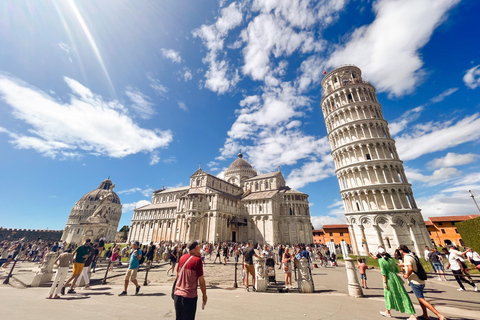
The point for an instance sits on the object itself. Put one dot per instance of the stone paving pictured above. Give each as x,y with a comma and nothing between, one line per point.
330,300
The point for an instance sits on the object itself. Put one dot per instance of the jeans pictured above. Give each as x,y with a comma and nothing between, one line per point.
185,308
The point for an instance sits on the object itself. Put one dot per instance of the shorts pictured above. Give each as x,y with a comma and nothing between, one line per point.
438,266
475,262
363,276
77,267
417,289
131,274
249,268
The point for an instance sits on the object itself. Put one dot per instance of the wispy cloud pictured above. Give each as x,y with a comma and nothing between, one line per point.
84,124
128,207
453,159
172,55
141,104
145,192
443,95
155,84
472,77
154,158
66,48
182,105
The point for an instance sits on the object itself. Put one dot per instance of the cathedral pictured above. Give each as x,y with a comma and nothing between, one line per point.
244,206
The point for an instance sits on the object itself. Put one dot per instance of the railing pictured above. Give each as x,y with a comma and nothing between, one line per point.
344,84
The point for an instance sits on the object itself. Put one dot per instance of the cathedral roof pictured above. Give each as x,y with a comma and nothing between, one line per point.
158,206
261,195
265,175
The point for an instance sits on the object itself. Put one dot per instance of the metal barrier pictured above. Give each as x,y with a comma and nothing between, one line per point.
7,280
235,285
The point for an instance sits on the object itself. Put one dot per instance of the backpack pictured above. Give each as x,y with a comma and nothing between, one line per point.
142,259
422,275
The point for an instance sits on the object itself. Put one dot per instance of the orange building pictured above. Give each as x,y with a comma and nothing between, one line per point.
442,230
332,232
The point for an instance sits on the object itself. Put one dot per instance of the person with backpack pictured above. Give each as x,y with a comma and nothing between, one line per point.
416,275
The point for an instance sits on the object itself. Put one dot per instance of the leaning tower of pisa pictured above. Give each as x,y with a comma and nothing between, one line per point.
379,205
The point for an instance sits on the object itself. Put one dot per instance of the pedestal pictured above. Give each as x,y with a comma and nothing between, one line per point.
261,283
305,280
46,270
354,288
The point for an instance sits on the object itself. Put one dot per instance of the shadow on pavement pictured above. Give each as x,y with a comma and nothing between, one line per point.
156,294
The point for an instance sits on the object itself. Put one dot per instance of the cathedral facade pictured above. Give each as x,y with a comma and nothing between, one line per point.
244,206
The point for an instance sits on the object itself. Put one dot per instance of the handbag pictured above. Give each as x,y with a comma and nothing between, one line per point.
179,273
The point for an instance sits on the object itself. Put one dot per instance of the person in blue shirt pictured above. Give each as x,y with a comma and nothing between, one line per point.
132,270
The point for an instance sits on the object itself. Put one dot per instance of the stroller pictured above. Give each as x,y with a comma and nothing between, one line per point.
270,270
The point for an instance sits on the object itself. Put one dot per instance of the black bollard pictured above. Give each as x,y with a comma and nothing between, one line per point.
104,281
7,281
146,274
235,285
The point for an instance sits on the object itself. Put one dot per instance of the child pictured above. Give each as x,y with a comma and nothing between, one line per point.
362,267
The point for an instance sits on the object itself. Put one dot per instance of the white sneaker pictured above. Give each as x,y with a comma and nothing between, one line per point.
476,289
460,289
439,279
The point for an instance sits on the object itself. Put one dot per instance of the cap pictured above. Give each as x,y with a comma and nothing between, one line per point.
192,245
381,250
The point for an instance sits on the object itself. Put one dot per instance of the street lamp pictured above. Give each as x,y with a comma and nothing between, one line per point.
473,198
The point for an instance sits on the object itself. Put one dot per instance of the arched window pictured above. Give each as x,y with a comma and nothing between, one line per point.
266,184
291,212
260,208
358,206
256,186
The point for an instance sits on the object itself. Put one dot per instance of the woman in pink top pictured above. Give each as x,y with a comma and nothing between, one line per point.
362,267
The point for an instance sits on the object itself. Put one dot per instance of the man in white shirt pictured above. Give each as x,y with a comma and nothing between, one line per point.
426,252
473,257
455,263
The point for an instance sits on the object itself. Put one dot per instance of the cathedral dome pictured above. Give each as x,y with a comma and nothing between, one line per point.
239,170
86,206
239,163
95,194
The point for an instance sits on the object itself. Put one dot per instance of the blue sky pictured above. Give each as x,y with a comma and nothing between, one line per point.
145,91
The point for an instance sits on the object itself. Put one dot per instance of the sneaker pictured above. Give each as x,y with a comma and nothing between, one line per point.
248,290
254,290
62,291
86,287
476,289
460,289
439,279
384,314
124,293
71,291
137,290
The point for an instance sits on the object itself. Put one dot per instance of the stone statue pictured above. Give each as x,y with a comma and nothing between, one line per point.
45,273
260,278
100,214
305,279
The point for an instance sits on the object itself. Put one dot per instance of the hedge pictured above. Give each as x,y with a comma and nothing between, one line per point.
470,232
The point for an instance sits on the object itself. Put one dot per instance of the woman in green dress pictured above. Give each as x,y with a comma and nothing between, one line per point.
396,296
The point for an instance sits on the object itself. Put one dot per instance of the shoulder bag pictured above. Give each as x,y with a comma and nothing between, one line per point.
179,273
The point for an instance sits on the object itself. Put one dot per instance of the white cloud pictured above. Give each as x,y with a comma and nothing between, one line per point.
154,158
472,77
219,77
187,74
170,160
172,55
436,136
443,95
212,164
64,47
387,50
160,89
311,172
335,216
439,176
398,125
141,105
86,123
182,105
453,159
145,192
128,207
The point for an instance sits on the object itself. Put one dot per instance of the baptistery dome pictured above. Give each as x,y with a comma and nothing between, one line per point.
85,207
239,171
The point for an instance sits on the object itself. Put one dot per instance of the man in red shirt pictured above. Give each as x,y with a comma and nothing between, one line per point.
187,283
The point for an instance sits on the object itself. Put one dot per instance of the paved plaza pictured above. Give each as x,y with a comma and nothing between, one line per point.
330,300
